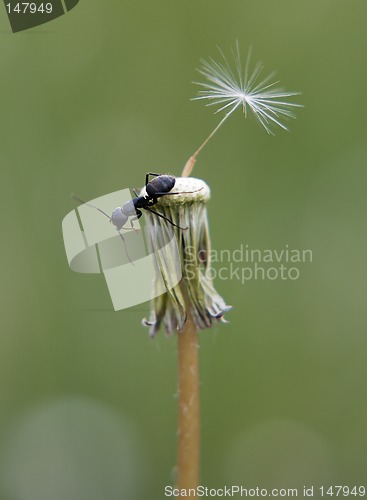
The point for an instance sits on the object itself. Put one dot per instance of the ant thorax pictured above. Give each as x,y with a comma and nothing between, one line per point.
129,208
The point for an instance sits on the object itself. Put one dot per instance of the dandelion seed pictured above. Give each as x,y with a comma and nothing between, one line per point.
229,87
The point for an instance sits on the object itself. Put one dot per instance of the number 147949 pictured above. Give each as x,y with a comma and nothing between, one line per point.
29,8
343,491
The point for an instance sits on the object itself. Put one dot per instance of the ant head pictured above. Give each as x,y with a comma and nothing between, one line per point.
119,218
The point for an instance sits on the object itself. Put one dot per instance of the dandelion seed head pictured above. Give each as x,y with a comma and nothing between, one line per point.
195,294
229,87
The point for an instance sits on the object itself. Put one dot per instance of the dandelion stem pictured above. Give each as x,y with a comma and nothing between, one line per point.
188,407
191,161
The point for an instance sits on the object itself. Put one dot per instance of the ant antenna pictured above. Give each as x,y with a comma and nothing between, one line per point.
191,161
75,197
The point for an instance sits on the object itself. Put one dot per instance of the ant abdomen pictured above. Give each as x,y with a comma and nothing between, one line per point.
160,184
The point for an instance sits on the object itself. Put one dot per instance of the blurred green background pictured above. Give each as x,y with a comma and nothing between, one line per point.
89,104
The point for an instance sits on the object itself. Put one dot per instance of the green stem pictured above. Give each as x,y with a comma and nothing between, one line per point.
188,464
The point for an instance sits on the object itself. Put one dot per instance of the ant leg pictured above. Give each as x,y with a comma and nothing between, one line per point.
131,222
152,174
127,253
136,194
180,192
135,217
164,217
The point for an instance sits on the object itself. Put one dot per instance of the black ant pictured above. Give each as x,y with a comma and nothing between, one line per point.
160,186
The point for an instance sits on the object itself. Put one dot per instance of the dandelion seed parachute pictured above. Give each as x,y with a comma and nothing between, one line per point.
229,87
